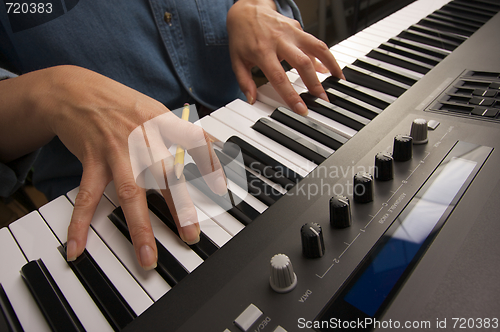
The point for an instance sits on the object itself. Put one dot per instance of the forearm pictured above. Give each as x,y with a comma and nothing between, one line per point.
23,126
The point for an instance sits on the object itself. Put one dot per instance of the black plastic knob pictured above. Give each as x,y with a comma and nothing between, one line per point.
384,166
340,212
403,148
363,187
312,240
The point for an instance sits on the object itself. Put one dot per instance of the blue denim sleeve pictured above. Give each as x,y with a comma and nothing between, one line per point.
13,174
289,9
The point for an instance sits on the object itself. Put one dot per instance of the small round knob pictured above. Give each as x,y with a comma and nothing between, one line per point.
384,166
419,131
363,187
282,279
312,240
340,212
403,148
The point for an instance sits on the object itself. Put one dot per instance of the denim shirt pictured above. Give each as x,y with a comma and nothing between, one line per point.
175,51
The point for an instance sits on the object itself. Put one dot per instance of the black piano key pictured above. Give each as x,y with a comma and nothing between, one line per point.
261,163
478,14
428,39
387,70
204,248
107,298
309,128
493,8
452,37
421,47
291,140
374,81
410,53
352,104
243,178
230,202
167,266
333,112
51,301
460,15
8,317
399,60
447,26
369,96
464,24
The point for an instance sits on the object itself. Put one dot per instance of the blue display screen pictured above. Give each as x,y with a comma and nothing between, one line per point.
414,226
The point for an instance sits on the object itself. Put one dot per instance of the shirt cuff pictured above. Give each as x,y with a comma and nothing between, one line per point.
289,9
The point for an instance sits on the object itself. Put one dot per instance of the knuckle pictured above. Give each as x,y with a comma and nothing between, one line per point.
278,77
303,60
127,191
84,198
139,230
322,47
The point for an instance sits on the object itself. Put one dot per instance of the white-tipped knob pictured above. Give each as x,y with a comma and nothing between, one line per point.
419,131
282,279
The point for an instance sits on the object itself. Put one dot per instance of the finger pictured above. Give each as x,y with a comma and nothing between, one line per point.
317,48
94,180
245,80
132,199
178,200
276,75
307,71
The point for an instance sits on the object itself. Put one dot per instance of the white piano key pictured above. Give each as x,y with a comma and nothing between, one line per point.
37,241
211,229
243,126
348,51
240,192
25,307
226,221
57,214
406,72
110,193
358,47
253,114
184,255
339,128
222,132
372,38
249,199
380,32
151,281
361,44
216,233
345,58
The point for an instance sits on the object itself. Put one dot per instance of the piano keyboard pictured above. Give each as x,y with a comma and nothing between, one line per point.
380,64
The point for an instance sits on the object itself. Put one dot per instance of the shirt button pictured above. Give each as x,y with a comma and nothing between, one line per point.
167,17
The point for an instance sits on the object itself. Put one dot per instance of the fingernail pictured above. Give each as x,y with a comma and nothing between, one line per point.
190,234
343,77
148,258
71,251
220,185
249,98
301,109
324,96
